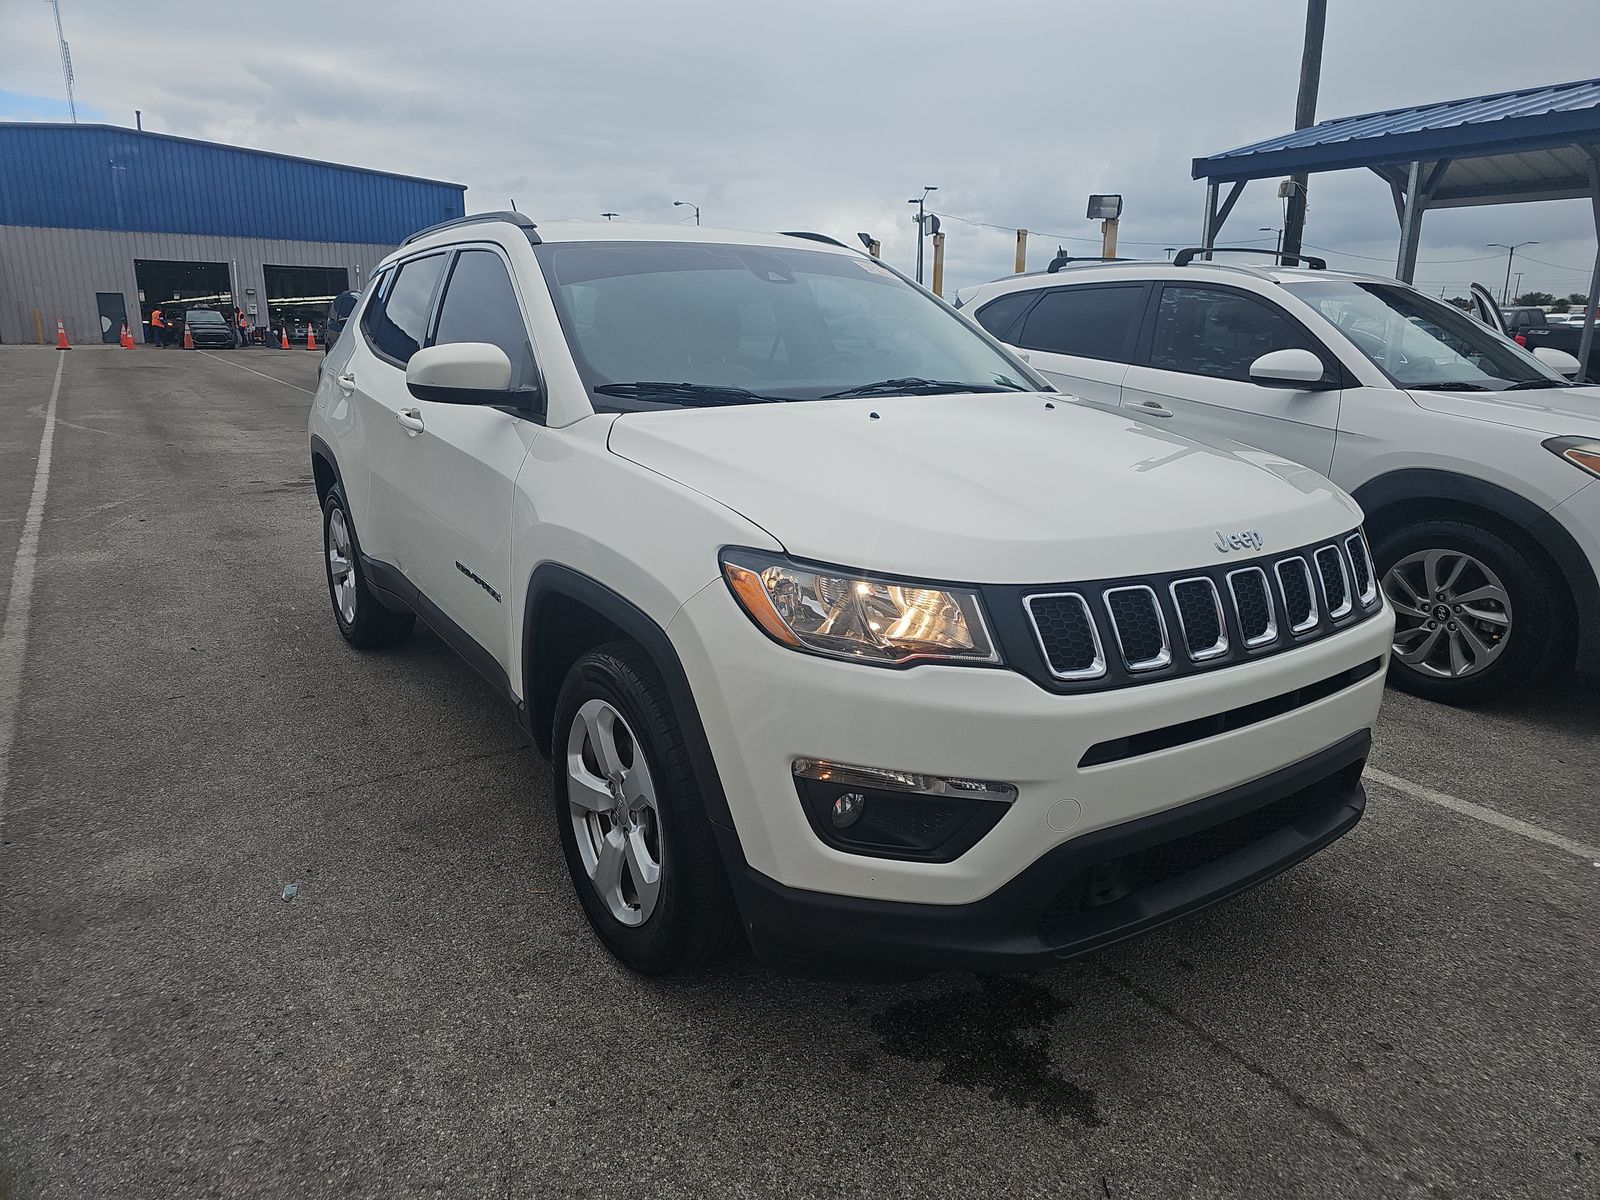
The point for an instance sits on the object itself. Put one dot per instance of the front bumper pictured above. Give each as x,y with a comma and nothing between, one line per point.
763,705
1084,894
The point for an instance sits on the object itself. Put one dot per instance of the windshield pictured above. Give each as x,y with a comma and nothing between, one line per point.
1420,342
204,316
692,323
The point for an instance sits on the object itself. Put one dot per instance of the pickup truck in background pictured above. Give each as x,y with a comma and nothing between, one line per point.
1529,327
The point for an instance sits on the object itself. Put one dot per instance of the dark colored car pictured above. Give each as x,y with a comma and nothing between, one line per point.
338,313
1530,327
209,328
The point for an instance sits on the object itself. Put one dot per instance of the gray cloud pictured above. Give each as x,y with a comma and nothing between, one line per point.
830,115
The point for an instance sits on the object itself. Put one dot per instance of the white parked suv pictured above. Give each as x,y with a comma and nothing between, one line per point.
841,630
1474,461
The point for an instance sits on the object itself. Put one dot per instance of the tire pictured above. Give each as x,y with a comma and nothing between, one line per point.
363,619
687,919
1523,634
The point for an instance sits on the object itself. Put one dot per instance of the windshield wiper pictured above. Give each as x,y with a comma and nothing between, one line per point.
912,385
1465,385
1528,385
685,393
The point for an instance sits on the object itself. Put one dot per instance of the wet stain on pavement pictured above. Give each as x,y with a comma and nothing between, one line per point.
995,1039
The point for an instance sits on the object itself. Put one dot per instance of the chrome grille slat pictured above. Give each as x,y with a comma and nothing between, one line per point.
1290,592
1335,579
1179,588
1124,627
1061,610
1257,577
1366,578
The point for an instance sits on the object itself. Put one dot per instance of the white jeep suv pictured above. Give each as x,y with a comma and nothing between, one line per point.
840,629
1474,461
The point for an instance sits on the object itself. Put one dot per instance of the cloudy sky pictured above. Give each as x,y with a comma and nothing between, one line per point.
828,115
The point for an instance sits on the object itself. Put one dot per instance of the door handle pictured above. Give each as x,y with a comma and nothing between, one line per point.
411,418
1150,408
346,382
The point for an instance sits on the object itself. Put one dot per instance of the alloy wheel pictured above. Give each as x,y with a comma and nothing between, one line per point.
1452,614
612,804
341,565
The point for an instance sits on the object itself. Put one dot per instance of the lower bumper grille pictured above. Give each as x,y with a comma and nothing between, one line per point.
1124,878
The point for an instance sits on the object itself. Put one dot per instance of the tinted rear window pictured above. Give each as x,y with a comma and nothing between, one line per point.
1090,322
396,322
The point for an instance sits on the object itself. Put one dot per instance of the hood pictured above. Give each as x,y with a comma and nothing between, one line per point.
1556,411
988,488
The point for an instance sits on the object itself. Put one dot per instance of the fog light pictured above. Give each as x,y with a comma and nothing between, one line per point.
898,814
847,809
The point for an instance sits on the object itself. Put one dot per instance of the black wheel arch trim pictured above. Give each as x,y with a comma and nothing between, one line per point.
1546,531
551,580
321,449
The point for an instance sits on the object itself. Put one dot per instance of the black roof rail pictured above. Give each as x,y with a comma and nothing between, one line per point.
814,237
520,220
1190,253
1062,258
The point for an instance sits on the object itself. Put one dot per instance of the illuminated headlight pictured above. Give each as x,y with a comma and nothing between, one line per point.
829,610
1581,452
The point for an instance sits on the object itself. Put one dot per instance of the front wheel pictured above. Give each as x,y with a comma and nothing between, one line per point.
1477,616
633,828
362,617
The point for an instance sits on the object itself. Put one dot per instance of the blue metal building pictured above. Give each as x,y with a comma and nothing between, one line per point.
99,224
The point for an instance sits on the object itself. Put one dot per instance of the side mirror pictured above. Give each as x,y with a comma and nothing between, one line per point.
1558,361
461,373
1298,369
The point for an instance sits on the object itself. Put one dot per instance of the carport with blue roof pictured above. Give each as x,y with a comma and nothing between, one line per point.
1507,148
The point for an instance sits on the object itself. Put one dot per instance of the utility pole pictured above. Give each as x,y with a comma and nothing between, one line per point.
938,264
66,61
1022,251
1517,291
922,222
1511,251
1305,115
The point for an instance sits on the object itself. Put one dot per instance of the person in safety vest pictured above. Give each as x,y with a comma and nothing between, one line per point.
158,328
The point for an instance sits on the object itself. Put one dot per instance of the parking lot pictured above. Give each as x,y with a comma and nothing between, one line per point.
1412,1013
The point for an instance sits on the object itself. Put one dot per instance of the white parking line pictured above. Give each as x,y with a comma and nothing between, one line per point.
14,633
253,371
1487,815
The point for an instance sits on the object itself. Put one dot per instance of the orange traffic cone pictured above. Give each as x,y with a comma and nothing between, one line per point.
126,340
61,336
311,338
188,338
283,337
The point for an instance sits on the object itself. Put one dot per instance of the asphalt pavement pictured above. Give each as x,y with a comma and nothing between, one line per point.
1411,1013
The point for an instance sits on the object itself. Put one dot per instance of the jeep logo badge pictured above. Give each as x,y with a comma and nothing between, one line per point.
1245,539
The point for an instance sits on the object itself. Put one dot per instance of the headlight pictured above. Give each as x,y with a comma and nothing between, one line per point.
1581,452
829,610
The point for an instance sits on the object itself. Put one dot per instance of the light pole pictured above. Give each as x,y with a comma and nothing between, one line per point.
687,204
922,222
611,216
1517,291
1279,232
1511,250
1169,250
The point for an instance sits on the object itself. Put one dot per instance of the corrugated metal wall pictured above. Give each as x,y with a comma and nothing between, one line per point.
58,271
106,177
